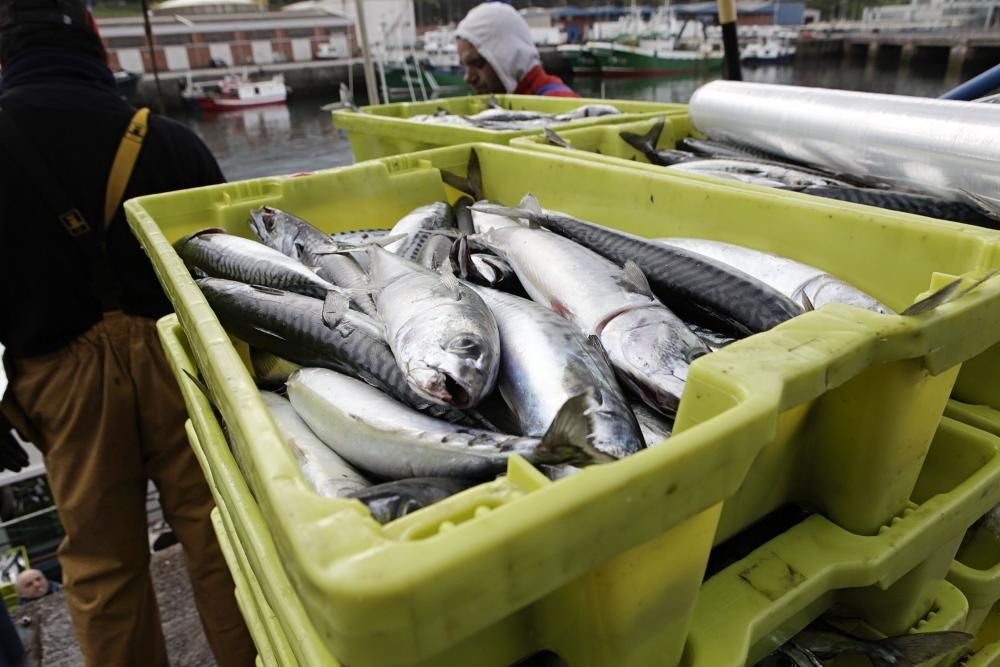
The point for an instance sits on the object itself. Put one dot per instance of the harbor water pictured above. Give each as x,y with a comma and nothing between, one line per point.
299,137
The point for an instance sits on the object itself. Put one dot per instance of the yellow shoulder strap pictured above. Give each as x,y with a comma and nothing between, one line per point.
121,168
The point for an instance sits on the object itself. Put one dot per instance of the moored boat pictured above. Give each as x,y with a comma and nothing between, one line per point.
236,92
581,59
651,58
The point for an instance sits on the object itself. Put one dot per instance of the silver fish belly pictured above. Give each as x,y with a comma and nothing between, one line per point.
384,437
649,346
544,362
237,258
807,285
326,472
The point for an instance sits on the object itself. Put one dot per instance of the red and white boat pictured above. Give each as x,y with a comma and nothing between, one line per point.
236,92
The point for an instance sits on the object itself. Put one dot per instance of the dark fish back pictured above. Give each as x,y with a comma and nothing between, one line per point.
689,284
905,202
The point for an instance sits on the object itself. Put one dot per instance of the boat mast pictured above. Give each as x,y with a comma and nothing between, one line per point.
370,84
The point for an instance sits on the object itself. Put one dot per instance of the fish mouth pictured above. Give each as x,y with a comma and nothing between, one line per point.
441,387
460,396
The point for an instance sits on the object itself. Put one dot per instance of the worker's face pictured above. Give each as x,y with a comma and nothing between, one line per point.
479,75
32,584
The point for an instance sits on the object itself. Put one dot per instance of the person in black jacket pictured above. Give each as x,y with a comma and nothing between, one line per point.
89,383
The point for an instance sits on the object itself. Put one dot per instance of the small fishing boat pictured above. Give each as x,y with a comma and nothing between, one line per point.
235,92
765,45
580,59
652,58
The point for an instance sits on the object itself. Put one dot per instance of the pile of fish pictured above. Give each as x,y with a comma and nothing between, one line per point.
830,638
410,363
747,165
497,117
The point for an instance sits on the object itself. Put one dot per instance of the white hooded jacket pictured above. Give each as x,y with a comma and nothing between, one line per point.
503,39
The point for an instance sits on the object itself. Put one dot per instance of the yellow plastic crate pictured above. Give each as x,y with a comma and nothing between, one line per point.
980,416
248,608
590,566
889,580
247,544
383,129
947,613
976,572
977,381
987,656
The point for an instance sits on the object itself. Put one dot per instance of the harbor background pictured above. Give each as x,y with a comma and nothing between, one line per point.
300,136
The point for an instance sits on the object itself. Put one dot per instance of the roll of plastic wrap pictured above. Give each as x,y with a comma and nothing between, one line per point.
947,148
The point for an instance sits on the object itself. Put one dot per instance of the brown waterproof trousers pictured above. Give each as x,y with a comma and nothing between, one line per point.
108,416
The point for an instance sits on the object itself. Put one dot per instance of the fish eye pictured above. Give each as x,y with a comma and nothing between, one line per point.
468,345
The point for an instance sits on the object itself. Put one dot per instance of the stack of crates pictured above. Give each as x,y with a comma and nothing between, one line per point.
840,411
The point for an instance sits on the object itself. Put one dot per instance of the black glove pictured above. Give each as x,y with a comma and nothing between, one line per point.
12,454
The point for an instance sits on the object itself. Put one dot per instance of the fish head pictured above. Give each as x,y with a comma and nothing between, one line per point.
277,229
652,351
459,372
824,289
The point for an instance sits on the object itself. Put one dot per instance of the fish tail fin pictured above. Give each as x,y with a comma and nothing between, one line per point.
463,216
461,258
949,292
472,183
644,143
552,137
570,436
347,99
475,175
919,647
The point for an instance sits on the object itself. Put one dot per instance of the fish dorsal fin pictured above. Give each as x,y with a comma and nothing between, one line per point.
934,299
335,305
530,203
807,303
552,137
516,213
635,278
570,436
451,281
595,343
493,103
949,292
209,230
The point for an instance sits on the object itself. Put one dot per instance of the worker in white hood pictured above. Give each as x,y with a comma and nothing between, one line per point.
496,50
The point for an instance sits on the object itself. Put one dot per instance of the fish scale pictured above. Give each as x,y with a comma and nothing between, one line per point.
685,281
906,202
292,327
648,345
380,435
544,361
224,255
298,239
